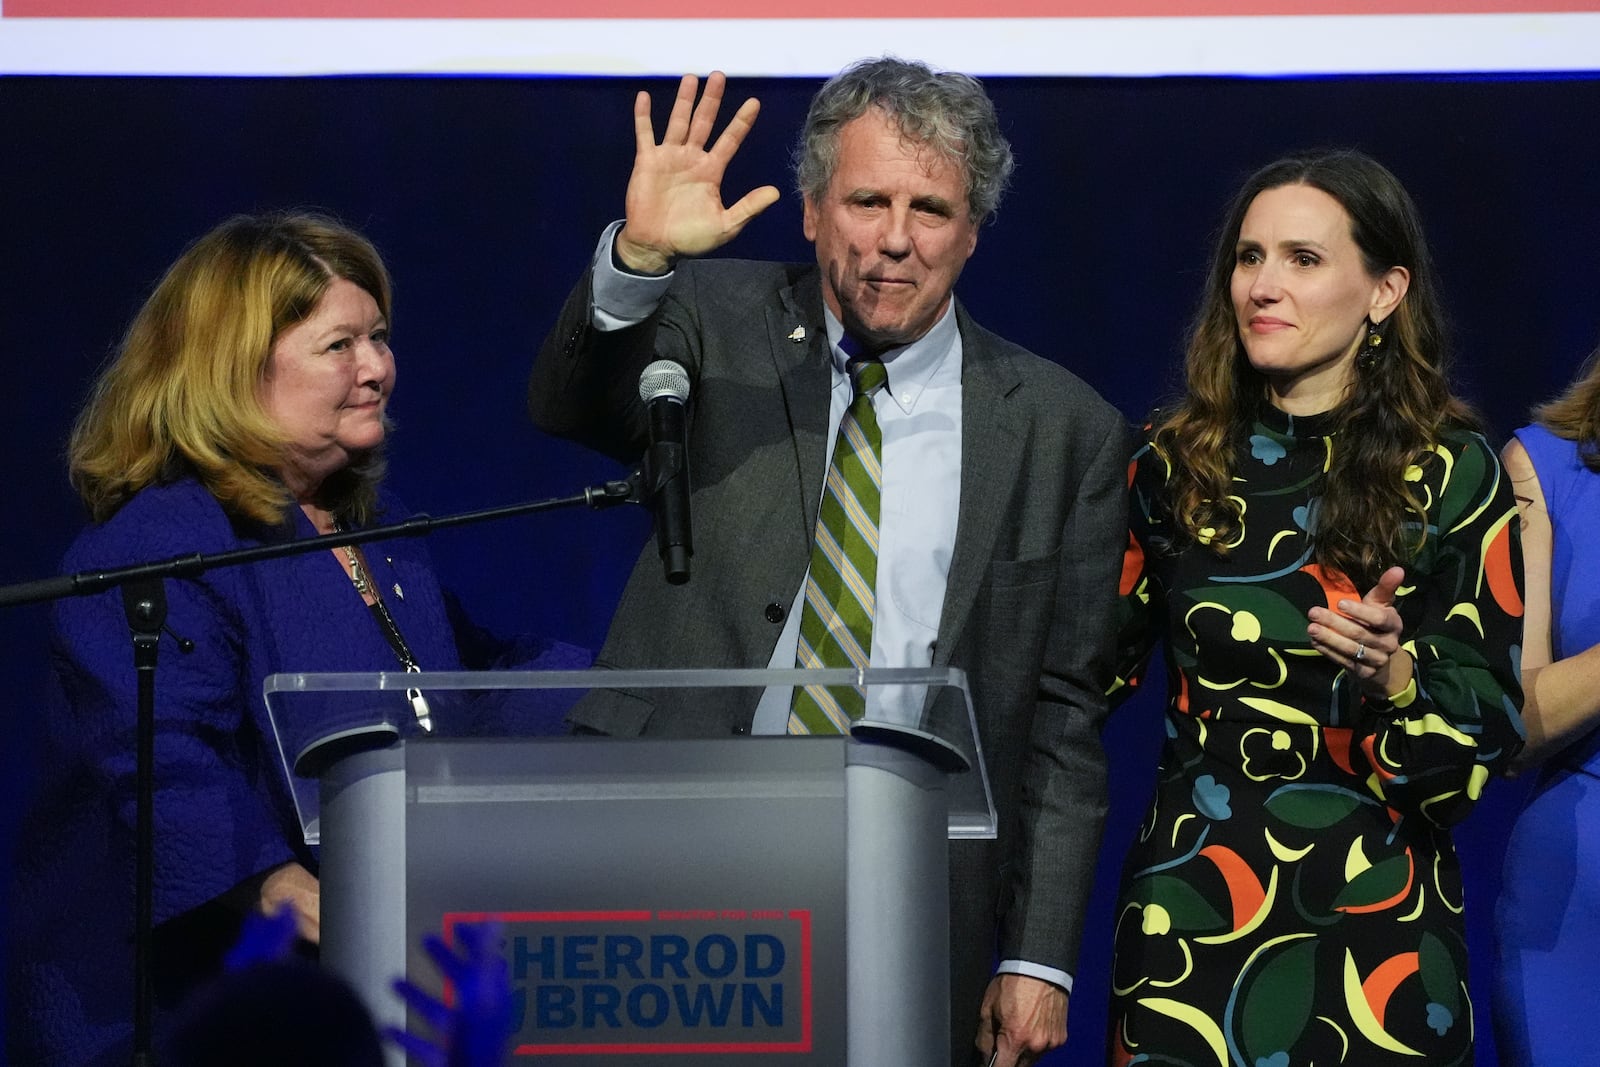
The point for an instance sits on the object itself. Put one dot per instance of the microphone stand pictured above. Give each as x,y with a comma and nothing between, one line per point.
145,602
144,599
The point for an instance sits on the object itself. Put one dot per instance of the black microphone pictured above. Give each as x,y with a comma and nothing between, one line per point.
664,388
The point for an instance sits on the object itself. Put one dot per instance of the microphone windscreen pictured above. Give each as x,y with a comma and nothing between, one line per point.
664,378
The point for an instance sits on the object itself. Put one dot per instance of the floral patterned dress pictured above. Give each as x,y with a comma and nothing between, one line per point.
1293,896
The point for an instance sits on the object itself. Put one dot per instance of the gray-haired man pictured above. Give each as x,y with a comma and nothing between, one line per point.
1002,495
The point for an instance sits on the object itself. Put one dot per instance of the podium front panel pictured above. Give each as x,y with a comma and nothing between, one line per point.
741,901
658,899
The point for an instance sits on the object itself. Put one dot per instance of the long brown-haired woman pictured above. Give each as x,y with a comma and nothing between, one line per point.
1328,548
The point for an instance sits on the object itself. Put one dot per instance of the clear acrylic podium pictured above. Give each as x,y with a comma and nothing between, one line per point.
759,900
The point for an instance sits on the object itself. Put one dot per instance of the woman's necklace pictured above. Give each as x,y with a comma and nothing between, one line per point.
358,575
391,631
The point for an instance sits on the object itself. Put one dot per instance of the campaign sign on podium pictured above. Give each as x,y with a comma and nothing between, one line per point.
766,900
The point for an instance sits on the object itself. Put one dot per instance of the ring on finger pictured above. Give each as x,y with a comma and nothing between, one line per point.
1361,651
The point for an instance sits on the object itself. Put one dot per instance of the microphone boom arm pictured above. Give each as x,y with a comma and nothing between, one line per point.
86,583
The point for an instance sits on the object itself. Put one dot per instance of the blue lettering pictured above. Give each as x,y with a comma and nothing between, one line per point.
544,958
660,1008
753,945
623,953
600,1002
752,1001
519,1008
668,951
726,950
691,1011
553,1007
577,956
593,1006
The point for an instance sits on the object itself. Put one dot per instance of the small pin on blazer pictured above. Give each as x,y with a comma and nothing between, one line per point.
799,334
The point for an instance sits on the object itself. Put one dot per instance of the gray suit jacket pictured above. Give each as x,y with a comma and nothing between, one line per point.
1032,584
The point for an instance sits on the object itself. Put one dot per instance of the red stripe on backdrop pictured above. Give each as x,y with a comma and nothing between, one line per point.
655,9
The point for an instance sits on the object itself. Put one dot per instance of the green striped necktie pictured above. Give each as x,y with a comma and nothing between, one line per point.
836,623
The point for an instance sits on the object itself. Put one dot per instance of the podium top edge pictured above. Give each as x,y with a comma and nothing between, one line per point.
609,679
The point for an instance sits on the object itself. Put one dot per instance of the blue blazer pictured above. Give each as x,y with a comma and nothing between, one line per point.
223,811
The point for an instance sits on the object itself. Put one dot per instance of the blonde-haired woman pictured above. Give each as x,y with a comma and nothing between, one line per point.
1548,918
246,405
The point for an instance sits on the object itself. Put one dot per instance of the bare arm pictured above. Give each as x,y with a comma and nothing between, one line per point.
674,201
1561,698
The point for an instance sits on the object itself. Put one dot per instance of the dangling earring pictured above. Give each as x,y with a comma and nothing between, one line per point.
1372,345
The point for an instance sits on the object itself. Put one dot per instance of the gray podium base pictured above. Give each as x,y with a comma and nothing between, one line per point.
827,855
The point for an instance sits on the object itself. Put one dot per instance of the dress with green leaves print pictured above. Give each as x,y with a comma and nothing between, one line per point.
1293,896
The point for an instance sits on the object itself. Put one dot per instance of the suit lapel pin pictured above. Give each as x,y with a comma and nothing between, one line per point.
798,335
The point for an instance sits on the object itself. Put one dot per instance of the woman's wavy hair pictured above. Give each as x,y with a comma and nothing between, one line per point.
1396,405
182,393
1575,414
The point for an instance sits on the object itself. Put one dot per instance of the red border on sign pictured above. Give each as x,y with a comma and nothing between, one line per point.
741,9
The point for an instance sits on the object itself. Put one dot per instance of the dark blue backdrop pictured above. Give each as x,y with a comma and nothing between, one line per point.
486,195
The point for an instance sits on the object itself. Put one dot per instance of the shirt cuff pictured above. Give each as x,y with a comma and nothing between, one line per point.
1407,696
1035,970
619,298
